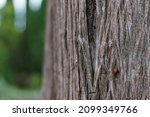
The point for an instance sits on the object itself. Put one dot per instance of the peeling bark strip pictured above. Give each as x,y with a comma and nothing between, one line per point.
97,49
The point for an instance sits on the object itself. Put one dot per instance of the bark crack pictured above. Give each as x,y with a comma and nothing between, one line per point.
90,12
91,31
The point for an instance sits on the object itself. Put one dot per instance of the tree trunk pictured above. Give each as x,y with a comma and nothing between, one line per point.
97,49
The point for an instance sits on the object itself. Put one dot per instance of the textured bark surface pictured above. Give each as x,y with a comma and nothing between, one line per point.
97,49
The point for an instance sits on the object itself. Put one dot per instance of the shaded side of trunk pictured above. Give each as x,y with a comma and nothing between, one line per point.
97,49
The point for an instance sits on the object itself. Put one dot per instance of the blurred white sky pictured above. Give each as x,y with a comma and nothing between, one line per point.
20,10
2,3
34,4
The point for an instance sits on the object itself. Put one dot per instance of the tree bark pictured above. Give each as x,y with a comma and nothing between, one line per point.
97,49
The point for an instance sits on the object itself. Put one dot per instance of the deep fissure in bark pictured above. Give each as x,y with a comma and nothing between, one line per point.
91,31
91,21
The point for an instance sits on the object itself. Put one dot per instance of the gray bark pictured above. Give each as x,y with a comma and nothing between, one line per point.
97,49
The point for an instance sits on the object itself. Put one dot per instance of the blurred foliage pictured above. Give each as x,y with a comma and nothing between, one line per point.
35,81
12,92
21,53
8,35
4,53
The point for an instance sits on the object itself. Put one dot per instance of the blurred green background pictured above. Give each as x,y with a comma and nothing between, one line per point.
22,29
